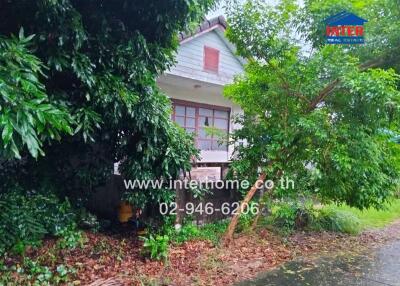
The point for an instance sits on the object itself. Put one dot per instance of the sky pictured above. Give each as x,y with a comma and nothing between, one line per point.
216,12
219,10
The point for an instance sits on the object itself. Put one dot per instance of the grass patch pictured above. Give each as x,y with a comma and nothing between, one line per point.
337,220
373,218
289,216
210,231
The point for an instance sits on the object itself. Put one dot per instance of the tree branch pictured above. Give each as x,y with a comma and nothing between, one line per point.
331,86
322,94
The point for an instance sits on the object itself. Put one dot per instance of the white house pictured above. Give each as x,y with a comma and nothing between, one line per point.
206,61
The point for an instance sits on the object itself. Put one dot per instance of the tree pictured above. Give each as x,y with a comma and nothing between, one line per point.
79,92
26,113
318,114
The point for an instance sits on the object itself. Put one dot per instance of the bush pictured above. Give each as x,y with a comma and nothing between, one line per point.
156,247
245,221
212,231
284,216
332,219
88,221
397,192
26,218
289,216
71,238
188,230
293,215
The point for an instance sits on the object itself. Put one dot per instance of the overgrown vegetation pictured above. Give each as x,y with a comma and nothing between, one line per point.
26,218
288,216
324,117
33,273
189,231
336,220
77,93
156,247
156,243
372,218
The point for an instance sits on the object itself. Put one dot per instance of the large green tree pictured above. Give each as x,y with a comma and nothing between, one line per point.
78,91
323,115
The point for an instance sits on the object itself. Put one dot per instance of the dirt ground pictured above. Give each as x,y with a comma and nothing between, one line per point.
116,260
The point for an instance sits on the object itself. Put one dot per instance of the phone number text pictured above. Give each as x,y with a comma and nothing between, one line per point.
209,208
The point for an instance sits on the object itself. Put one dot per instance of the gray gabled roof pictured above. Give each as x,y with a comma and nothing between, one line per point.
204,26
208,25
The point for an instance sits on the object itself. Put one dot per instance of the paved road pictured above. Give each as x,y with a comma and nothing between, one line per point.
378,267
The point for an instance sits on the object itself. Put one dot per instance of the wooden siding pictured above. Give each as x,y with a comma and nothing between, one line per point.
190,60
183,89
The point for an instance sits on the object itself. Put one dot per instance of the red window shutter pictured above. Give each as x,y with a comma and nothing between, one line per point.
211,59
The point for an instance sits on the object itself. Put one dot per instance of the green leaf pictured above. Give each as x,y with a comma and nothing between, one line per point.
7,133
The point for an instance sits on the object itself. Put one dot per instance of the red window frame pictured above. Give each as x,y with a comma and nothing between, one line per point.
211,59
197,106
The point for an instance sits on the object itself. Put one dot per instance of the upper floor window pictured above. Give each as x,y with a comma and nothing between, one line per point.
209,123
211,59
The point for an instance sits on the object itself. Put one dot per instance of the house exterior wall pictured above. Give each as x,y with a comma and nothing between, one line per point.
188,81
190,62
205,94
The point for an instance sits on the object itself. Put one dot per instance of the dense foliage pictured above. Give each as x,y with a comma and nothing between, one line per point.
26,218
288,216
322,115
27,117
78,92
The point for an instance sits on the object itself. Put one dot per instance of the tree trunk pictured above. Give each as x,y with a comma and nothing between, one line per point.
261,205
255,221
180,203
246,200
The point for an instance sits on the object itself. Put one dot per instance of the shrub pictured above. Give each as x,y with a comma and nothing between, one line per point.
188,230
284,216
26,218
88,221
332,219
245,221
213,231
156,247
397,192
288,216
71,238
